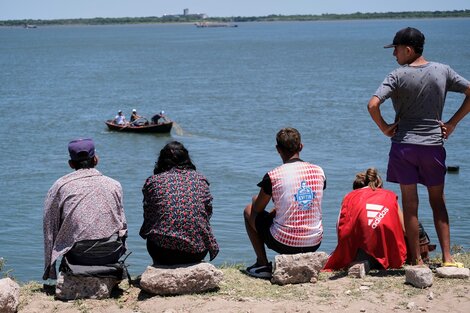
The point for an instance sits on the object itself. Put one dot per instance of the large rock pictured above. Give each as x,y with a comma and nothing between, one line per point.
71,287
180,279
9,295
359,269
419,276
298,268
453,272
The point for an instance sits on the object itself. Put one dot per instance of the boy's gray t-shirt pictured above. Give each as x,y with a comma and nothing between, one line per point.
418,94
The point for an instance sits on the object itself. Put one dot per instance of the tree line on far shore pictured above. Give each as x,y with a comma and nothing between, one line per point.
236,19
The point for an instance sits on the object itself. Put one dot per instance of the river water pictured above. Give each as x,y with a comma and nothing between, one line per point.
229,90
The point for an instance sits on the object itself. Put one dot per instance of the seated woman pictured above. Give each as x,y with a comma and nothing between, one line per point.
369,226
177,208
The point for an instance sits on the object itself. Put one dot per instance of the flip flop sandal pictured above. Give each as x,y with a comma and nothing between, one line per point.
453,264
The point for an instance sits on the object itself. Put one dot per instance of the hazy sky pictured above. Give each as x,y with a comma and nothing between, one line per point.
56,9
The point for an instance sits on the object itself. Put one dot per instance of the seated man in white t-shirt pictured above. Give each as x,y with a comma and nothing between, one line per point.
120,119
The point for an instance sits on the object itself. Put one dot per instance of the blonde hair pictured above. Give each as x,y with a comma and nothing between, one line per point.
370,178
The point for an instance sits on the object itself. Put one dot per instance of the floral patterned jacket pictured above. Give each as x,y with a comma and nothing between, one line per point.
177,208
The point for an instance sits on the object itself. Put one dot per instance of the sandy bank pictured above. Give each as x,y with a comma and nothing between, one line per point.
378,292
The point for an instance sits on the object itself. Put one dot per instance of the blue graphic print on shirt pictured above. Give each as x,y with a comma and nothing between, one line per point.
304,196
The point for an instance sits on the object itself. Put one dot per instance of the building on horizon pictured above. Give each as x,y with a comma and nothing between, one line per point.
186,15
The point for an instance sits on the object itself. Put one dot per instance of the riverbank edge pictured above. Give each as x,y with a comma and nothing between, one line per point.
380,290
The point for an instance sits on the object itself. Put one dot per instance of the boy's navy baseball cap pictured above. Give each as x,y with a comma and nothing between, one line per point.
408,37
81,149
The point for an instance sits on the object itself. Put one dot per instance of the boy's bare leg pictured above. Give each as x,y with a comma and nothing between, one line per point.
441,220
256,242
409,194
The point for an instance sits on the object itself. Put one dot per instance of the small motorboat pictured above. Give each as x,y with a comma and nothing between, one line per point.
145,127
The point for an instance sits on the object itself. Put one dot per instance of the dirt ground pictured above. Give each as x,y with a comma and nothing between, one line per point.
377,292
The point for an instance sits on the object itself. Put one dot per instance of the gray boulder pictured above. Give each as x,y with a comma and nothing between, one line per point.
359,269
180,279
298,268
9,295
419,276
71,287
453,272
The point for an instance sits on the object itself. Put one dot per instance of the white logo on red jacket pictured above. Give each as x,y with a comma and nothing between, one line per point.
375,213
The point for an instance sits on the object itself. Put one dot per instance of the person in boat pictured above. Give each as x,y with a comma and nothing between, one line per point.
120,119
369,227
177,208
417,155
135,116
136,119
296,189
84,218
156,118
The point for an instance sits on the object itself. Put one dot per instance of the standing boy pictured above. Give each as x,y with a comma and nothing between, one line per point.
295,223
418,90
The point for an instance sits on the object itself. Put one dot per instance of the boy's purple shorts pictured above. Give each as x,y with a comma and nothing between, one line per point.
416,164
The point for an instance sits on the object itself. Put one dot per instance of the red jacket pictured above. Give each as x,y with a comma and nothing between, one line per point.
369,220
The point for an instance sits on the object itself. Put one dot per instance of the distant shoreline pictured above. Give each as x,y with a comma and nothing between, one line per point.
27,23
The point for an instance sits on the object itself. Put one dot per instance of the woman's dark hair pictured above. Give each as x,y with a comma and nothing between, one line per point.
173,154
369,178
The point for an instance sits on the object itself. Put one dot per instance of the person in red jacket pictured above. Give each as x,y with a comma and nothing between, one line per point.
370,226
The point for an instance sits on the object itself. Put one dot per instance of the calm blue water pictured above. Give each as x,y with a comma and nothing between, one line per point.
229,90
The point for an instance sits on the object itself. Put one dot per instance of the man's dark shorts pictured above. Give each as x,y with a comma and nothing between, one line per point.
416,164
263,221
97,252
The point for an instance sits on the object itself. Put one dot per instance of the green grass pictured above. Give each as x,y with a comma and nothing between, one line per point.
2,272
459,253
330,288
